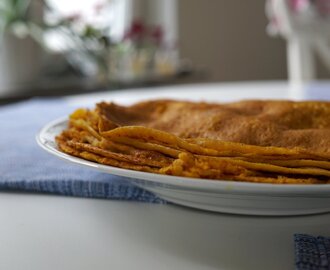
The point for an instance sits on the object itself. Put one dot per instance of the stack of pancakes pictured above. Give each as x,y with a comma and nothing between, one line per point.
281,142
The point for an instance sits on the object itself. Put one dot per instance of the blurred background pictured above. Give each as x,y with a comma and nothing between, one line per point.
61,47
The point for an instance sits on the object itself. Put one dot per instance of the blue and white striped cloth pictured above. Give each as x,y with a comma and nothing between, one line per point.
24,166
312,253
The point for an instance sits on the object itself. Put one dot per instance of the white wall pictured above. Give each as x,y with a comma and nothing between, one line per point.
228,38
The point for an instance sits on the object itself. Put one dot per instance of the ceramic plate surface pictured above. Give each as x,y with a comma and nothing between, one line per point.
218,196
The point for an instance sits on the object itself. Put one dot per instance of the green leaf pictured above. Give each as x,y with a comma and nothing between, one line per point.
22,7
7,16
91,32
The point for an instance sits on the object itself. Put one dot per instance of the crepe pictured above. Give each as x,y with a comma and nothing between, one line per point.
256,141
264,123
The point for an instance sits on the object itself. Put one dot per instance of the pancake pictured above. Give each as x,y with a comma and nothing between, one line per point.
206,146
71,149
281,142
152,159
116,163
285,124
189,166
166,150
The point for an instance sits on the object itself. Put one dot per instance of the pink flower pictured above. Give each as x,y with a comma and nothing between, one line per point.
98,7
157,34
299,5
136,31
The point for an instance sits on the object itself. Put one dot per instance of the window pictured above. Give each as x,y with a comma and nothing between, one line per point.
112,13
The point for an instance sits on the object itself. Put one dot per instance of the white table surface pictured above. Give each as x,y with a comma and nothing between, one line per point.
52,232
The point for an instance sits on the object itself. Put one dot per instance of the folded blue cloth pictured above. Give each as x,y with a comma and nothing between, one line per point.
312,253
25,166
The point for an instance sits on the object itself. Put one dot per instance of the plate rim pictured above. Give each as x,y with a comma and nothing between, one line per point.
315,190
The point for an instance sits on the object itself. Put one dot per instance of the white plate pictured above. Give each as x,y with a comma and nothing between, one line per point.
219,196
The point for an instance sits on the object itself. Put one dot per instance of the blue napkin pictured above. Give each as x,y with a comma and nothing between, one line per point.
312,253
24,166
